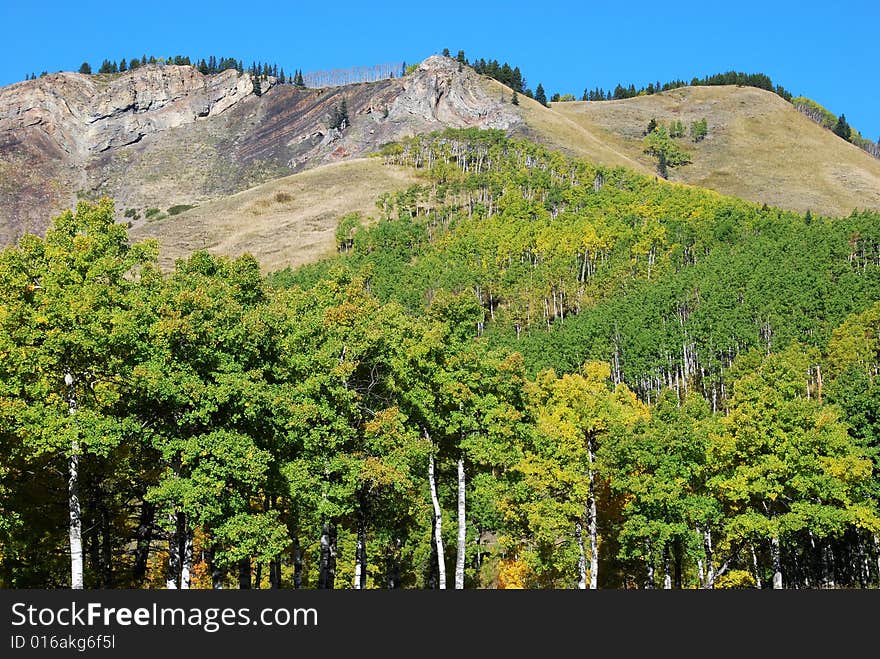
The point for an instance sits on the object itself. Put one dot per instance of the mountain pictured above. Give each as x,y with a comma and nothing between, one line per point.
162,139
164,136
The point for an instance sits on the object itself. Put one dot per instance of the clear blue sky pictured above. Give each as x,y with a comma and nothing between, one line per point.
822,50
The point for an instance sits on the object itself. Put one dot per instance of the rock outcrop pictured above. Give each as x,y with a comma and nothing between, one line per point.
163,135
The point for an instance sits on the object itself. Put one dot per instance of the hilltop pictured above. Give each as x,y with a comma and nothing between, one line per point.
178,149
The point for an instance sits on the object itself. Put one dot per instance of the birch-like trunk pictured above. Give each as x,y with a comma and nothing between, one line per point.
360,553
438,522
775,555
758,583
462,529
710,559
667,577
172,579
75,527
327,572
186,563
582,557
592,521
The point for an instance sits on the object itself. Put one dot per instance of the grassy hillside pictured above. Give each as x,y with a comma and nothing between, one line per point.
288,221
758,147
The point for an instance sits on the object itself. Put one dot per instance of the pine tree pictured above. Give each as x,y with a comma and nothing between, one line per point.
445,52
651,126
540,96
85,68
513,99
257,90
842,128
123,66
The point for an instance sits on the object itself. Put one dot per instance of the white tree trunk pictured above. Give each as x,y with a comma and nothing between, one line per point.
582,557
777,563
438,523
75,528
187,561
462,529
171,581
592,521
358,568
758,583
710,559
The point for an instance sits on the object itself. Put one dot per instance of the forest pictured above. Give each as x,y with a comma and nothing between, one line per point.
527,372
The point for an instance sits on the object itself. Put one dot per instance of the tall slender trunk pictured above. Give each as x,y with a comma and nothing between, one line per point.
710,559
214,569
438,523
462,529
775,556
244,574
667,577
758,583
592,521
75,527
360,554
582,557
186,562
258,576
172,579
327,572
144,536
297,565
106,546
649,578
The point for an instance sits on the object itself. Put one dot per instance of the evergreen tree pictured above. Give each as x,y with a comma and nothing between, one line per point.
514,100
540,96
85,68
842,128
651,126
257,89
445,52
123,66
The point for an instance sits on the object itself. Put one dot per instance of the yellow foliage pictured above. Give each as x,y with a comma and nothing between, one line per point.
735,579
512,575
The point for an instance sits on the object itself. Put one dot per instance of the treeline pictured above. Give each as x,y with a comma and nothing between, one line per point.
203,429
837,124
209,66
759,80
503,73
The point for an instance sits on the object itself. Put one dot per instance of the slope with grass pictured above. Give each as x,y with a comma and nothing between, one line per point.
759,147
288,221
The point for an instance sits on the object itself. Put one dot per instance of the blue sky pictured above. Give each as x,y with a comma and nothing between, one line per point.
817,49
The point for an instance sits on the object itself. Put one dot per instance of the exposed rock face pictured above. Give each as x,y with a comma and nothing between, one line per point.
164,135
440,94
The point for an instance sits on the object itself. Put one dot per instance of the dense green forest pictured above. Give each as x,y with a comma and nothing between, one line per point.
529,372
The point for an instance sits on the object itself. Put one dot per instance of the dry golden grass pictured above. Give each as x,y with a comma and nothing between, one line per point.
559,132
758,147
286,222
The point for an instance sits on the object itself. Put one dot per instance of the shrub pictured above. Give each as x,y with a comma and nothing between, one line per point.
179,208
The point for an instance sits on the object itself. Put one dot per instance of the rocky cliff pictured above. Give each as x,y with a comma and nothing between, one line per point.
160,136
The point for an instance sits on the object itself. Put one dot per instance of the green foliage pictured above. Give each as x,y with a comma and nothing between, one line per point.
151,213
540,96
699,130
842,129
683,382
179,208
660,145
